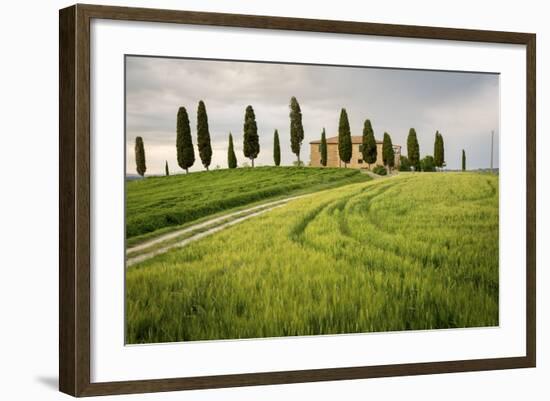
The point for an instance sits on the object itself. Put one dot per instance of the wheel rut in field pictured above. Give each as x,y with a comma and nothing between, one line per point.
355,204
337,210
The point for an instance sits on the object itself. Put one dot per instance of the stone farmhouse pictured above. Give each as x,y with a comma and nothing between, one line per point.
333,159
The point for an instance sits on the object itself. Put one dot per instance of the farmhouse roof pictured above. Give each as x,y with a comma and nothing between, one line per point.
357,139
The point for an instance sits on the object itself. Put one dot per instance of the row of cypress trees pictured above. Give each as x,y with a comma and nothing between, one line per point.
232,158
184,141
368,149
251,146
438,158
413,151
251,143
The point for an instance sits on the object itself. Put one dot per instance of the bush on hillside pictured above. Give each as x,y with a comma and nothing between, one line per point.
427,164
380,170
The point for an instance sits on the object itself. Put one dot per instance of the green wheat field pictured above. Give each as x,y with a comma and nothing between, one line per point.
159,204
410,252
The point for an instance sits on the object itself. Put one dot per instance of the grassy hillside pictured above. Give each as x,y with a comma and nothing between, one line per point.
159,202
418,251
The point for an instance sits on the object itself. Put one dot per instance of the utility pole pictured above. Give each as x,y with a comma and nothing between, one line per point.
492,136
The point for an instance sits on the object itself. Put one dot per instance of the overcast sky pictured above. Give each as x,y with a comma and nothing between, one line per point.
464,107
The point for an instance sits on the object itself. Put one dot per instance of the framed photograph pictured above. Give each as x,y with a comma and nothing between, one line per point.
249,200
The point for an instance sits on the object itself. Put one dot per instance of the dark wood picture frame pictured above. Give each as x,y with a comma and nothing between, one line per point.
74,199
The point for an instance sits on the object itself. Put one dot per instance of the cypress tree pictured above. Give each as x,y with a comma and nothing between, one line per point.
203,136
436,148
439,152
369,150
184,142
296,128
413,150
251,144
388,155
344,138
140,156
231,158
166,172
276,149
442,151
463,160
323,149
